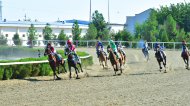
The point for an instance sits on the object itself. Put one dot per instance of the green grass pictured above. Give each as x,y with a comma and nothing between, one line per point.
35,59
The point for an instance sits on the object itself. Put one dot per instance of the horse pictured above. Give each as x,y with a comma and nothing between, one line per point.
53,62
72,62
160,58
146,53
185,56
123,56
114,61
102,57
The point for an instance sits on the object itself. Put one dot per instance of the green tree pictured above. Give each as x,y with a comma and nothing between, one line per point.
100,24
62,37
3,40
32,33
91,32
47,32
76,31
170,25
16,39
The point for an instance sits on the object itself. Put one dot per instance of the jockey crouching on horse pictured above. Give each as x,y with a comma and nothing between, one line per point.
120,47
53,52
157,47
114,48
100,45
184,48
145,47
72,48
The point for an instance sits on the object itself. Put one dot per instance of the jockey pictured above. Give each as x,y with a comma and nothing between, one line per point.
145,45
53,51
99,44
72,48
184,47
159,48
114,48
120,47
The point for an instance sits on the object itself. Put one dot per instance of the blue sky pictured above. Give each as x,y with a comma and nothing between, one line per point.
51,10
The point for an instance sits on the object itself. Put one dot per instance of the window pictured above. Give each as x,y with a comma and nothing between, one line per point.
6,35
23,35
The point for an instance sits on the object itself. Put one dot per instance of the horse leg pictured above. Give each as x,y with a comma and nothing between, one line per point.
63,65
159,64
80,67
69,72
76,71
120,60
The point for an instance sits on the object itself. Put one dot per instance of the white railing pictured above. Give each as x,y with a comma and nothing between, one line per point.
33,62
92,43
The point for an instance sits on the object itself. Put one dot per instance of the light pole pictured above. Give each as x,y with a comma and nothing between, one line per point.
108,11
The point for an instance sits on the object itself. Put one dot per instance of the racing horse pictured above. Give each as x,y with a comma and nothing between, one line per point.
160,58
114,61
54,63
185,56
123,56
72,62
102,57
146,53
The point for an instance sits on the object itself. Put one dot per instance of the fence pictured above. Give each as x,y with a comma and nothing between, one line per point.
88,43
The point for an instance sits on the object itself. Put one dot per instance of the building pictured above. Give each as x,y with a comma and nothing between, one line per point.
9,28
138,18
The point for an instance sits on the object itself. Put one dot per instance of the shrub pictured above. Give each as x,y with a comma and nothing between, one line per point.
7,73
1,72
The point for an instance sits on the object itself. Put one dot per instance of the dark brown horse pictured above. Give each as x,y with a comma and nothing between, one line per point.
72,62
185,56
102,58
160,58
114,61
54,63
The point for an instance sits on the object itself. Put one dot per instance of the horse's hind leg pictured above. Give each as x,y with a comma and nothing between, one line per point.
80,67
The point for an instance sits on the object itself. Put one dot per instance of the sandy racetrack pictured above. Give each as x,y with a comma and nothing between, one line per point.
141,84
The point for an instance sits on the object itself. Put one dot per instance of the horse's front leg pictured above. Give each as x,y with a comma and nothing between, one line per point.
76,71
159,64
69,72
63,65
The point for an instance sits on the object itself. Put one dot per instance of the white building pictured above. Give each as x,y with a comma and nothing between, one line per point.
9,28
138,18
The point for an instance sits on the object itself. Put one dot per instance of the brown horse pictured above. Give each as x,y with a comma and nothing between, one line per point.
54,63
123,56
102,58
114,61
185,56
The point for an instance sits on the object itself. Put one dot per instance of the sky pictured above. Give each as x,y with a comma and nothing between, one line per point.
52,10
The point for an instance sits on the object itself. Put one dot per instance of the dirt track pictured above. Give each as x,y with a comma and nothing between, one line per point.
140,84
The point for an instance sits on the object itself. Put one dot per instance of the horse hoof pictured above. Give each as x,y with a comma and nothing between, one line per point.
160,67
58,78
77,78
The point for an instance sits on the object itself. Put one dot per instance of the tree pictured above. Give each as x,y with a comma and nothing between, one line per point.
100,24
3,40
170,25
76,31
62,37
91,32
16,39
32,33
47,32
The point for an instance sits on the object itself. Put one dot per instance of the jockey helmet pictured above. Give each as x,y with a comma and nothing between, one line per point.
183,42
69,42
49,44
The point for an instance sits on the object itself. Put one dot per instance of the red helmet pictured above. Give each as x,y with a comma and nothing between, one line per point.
184,42
69,42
